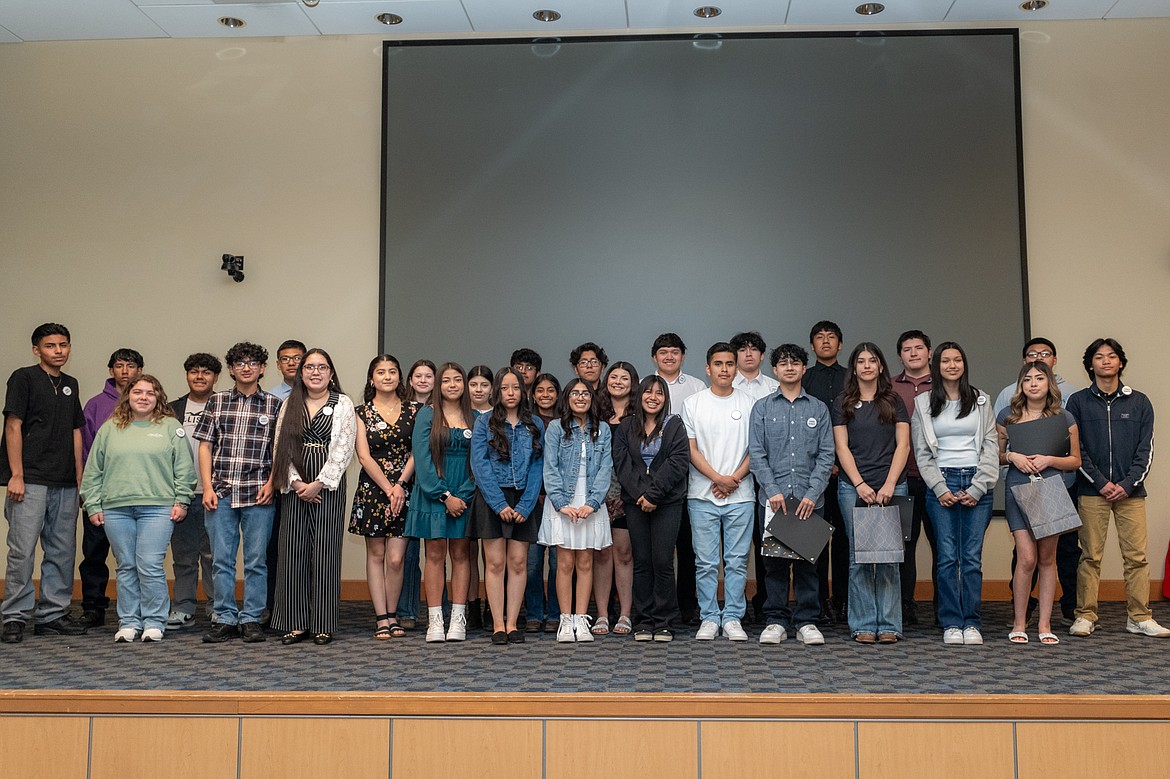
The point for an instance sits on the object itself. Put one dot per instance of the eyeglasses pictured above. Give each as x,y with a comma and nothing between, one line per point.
580,394
1044,355
589,362
294,359
241,364
524,367
316,369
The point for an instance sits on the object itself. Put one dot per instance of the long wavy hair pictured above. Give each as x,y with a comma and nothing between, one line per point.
567,416
498,421
290,445
369,393
886,399
938,393
123,416
1019,402
440,432
640,413
603,399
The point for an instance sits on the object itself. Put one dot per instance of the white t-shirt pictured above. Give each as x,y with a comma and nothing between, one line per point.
760,387
682,388
190,421
720,428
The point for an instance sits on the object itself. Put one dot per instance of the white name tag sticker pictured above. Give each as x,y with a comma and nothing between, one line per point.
467,434
327,411
812,422
263,419
981,400
67,391
381,426
1124,390
180,432
736,414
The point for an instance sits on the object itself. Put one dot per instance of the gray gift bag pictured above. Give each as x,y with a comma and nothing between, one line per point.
1047,506
877,534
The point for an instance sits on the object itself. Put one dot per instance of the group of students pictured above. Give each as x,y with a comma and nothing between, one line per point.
615,477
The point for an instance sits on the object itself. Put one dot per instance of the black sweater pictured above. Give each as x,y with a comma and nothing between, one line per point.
665,481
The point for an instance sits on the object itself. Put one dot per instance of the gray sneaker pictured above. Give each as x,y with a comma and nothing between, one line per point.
179,619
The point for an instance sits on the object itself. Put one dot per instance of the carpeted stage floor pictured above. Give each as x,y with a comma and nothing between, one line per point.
1110,662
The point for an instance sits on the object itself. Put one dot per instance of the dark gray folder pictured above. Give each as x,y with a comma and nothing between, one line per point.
1048,435
806,537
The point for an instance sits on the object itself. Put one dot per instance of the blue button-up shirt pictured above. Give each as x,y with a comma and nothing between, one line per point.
791,446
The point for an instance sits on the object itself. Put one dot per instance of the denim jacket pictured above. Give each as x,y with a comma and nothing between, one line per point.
521,471
562,464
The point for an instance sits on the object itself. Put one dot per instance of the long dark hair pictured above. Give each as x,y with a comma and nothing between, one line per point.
567,416
1052,405
885,399
440,432
640,413
556,409
938,393
410,374
605,402
498,420
369,393
290,446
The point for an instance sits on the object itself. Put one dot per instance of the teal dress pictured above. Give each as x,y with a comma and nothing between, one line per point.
427,517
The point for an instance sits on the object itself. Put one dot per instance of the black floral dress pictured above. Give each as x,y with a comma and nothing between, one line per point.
390,447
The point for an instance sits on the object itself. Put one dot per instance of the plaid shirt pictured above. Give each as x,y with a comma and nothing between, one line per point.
240,429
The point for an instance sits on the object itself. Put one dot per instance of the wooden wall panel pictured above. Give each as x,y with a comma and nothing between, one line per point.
1093,749
295,746
927,750
451,748
647,748
174,747
44,747
735,750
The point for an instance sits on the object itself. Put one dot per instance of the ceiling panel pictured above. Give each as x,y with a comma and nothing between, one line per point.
1009,10
418,16
844,12
652,14
1136,9
62,20
516,15
201,21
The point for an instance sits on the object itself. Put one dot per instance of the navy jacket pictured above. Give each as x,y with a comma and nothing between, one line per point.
1117,439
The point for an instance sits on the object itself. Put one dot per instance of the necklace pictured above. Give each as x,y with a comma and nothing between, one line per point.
56,384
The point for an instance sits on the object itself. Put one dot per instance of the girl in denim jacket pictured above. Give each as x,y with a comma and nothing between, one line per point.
578,466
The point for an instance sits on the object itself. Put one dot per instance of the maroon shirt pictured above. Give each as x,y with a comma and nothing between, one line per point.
908,389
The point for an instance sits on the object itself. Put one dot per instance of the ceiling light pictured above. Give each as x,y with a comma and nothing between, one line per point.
310,3
869,9
389,18
231,21
707,11
1033,5
546,15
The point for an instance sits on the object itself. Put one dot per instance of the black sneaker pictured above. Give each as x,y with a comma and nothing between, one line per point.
93,618
61,626
643,634
13,632
252,633
219,633
664,634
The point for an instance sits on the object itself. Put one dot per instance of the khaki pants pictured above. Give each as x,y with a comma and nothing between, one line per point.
1130,518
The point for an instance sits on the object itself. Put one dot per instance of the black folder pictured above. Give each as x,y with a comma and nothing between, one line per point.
1047,435
905,504
806,537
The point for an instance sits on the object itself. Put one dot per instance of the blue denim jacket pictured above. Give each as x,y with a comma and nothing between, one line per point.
522,471
562,464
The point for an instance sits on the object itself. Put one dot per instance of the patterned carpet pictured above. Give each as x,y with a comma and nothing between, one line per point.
1109,662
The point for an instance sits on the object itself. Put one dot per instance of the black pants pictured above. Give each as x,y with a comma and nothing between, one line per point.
804,582
94,573
688,603
838,556
273,556
652,541
761,595
921,522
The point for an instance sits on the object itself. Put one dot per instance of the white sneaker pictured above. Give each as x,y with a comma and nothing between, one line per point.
1147,627
581,627
565,630
458,629
773,634
152,634
734,631
179,619
972,636
126,636
707,631
435,633
810,635
952,636
1083,627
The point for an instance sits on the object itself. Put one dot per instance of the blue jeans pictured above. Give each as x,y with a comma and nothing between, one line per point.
875,589
958,534
139,536
732,524
227,527
50,515
410,596
537,604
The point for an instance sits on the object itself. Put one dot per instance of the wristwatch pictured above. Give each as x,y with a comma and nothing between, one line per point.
443,498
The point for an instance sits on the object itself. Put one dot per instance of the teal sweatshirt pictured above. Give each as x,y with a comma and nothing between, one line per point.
142,464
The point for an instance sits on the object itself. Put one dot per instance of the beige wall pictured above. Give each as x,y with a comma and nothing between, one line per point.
128,168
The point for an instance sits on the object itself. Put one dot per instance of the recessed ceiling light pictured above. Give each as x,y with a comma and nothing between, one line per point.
1033,5
869,9
546,15
389,18
231,21
707,11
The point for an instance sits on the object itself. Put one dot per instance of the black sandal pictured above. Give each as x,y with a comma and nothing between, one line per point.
383,632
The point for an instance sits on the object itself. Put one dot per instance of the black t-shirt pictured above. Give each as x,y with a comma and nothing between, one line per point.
824,382
871,442
49,408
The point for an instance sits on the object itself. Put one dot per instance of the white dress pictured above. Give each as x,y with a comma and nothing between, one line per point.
590,533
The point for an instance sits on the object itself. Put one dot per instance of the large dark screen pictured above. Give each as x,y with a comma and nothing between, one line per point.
543,194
